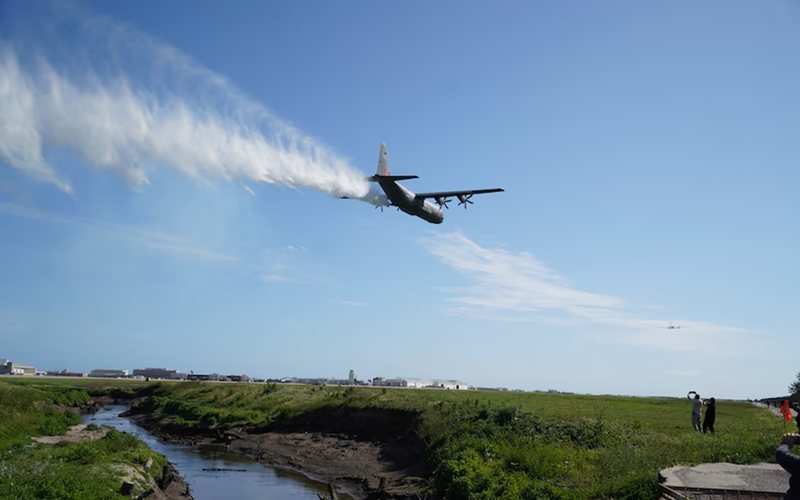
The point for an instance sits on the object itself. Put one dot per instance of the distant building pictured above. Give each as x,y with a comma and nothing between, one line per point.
238,378
420,383
351,377
11,368
65,373
216,377
450,384
106,373
310,381
159,373
389,382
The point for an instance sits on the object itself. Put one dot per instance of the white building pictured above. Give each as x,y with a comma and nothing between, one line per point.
420,383
11,368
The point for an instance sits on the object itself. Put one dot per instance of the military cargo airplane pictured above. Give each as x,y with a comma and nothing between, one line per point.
394,194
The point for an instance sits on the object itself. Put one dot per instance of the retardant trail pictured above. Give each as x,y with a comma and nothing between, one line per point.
161,110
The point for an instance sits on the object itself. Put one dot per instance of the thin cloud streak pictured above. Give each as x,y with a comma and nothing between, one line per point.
353,303
511,286
279,278
281,269
154,240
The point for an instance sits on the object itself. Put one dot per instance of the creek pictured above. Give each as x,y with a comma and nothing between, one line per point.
212,471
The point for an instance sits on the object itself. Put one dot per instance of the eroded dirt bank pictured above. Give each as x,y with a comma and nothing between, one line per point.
368,453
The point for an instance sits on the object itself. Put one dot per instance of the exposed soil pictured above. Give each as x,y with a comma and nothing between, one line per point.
75,434
367,453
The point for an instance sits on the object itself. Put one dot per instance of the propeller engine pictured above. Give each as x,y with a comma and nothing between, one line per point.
464,199
442,201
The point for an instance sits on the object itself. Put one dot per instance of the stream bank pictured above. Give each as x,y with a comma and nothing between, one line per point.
212,471
365,453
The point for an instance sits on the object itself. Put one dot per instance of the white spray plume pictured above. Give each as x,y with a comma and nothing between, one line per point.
114,124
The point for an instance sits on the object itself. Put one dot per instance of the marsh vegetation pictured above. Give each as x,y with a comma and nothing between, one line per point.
483,444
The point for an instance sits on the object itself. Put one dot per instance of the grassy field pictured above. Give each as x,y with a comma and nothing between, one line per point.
497,444
64,471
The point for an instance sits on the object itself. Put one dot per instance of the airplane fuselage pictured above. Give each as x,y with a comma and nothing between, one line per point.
406,201
389,193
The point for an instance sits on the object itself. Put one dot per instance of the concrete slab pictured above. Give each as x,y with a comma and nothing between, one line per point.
724,480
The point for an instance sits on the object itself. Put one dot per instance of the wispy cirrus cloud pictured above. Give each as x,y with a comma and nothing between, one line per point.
148,238
290,264
275,277
353,303
509,286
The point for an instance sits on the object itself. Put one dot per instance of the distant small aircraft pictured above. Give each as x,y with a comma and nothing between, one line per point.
395,194
673,327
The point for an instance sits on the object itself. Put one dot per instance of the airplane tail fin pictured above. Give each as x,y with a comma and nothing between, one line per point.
383,161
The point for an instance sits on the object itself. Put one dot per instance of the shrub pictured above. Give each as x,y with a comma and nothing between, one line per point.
56,423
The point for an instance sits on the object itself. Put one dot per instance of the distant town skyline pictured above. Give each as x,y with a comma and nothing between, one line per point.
162,373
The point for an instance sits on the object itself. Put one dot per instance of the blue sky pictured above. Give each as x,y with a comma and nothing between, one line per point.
169,172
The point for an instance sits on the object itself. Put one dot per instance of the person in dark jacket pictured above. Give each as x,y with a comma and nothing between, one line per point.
790,462
711,415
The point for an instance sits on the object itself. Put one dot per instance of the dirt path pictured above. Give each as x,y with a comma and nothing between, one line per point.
75,434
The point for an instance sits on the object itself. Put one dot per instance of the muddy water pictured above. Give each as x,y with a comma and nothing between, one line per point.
212,472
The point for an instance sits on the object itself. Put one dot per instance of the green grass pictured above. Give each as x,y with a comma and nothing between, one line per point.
64,471
75,470
483,444
27,411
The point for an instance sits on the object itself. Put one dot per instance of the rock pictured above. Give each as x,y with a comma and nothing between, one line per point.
331,493
167,476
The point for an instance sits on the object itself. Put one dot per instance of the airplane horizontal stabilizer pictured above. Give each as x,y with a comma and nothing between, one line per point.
378,178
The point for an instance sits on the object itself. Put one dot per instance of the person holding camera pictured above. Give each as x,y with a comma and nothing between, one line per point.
696,405
790,462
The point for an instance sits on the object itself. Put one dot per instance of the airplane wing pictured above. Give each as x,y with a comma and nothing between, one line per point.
441,197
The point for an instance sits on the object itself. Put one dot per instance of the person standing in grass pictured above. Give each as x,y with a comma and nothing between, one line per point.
696,405
711,415
790,462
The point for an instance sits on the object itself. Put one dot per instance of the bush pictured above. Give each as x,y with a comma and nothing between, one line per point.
56,423
116,441
505,416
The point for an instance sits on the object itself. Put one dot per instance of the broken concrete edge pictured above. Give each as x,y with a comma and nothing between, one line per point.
757,478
